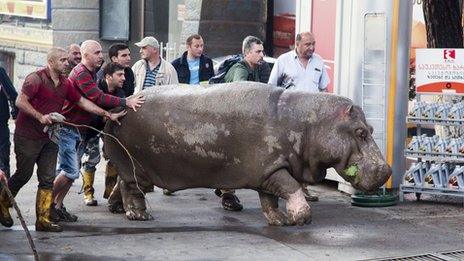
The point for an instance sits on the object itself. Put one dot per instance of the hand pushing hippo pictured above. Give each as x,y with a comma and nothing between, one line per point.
243,135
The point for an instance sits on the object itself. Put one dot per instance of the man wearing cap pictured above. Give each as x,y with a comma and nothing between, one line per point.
152,69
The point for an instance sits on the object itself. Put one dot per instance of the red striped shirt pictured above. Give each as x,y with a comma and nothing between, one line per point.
85,82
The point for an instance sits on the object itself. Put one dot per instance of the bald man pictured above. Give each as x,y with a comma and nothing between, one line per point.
71,147
301,69
43,92
74,57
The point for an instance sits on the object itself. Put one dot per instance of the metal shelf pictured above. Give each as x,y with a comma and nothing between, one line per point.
422,121
430,190
435,156
454,158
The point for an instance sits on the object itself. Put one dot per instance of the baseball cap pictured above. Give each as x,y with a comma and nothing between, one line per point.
149,40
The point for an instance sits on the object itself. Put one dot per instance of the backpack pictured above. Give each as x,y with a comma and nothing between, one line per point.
224,67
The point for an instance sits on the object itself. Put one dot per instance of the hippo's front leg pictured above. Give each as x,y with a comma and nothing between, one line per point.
134,202
270,207
283,185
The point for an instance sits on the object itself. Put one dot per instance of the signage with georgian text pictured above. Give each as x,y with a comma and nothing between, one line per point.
440,70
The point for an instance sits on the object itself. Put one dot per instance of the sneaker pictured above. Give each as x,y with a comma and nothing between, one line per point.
311,198
55,214
65,216
167,192
231,202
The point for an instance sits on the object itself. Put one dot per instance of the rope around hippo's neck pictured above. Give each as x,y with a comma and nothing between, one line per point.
132,159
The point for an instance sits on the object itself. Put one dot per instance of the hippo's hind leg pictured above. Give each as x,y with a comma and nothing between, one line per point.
282,184
270,207
134,202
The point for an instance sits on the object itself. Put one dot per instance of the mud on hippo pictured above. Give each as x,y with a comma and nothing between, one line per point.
242,135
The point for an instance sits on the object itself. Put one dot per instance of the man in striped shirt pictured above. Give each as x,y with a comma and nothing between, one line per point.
152,69
71,149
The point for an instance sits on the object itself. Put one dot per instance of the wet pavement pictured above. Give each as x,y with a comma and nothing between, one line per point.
191,225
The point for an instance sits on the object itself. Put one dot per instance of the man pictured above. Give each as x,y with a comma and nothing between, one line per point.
247,68
152,70
74,57
193,66
8,94
42,95
112,84
244,70
71,149
118,53
301,69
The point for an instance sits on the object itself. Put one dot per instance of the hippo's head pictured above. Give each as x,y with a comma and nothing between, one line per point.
348,147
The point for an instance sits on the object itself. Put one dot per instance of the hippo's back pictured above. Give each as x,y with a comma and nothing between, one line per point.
247,98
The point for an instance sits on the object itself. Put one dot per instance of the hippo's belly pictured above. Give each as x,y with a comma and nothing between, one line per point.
190,149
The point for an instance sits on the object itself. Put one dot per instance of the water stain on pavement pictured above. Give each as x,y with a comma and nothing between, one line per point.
290,235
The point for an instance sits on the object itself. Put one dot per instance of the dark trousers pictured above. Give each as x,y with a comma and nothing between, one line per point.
5,147
28,153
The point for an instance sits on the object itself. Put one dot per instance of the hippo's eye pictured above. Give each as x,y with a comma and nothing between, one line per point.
361,133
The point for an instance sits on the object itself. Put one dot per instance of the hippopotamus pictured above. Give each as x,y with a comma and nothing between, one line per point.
242,135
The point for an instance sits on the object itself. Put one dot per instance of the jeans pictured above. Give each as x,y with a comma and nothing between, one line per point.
70,152
92,150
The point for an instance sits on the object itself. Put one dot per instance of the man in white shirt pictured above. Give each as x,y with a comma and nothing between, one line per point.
301,69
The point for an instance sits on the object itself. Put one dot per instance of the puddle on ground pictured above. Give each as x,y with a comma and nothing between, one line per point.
291,235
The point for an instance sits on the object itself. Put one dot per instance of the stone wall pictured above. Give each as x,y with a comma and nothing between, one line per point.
76,21
28,44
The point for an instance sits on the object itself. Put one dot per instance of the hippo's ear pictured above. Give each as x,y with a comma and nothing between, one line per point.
348,111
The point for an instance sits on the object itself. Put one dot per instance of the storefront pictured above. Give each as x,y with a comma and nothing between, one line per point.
365,44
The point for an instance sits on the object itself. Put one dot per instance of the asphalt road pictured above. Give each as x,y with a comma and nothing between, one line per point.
193,226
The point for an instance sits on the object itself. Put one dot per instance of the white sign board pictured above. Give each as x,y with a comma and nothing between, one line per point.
440,70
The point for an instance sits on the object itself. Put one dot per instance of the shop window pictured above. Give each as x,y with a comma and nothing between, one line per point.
114,20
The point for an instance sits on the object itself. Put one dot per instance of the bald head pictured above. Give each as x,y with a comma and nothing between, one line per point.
54,53
57,60
305,45
74,54
304,35
92,56
89,46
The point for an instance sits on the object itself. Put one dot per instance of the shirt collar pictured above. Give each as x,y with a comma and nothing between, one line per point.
295,55
47,73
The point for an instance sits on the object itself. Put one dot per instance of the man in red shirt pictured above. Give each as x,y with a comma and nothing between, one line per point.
71,148
43,93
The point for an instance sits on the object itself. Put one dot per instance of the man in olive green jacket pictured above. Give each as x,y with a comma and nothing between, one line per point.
244,70
247,68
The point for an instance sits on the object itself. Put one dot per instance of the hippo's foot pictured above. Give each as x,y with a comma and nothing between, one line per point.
116,208
270,206
298,210
138,214
276,217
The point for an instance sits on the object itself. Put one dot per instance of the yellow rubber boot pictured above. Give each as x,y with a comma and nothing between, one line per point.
5,217
88,178
111,176
42,211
